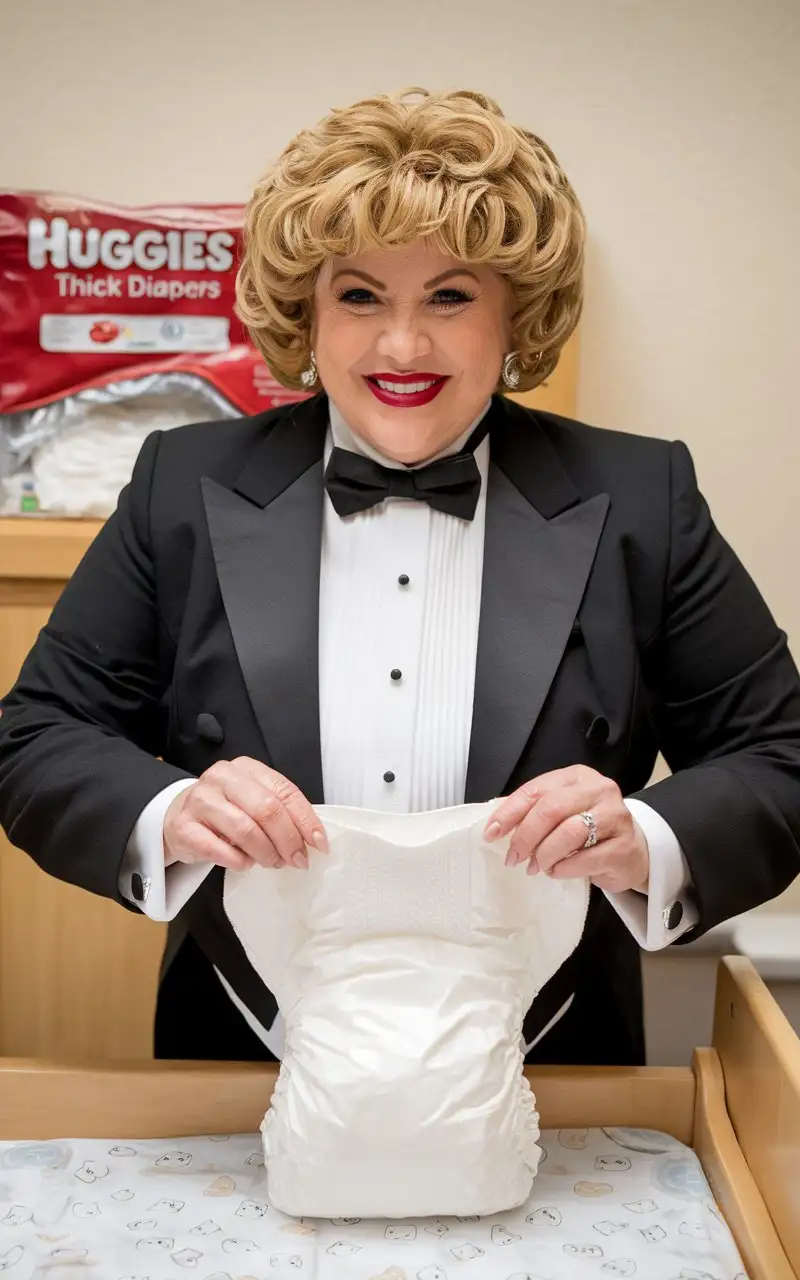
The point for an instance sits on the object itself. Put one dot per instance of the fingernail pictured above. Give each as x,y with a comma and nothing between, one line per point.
320,840
301,861
512,858
492,831
533,867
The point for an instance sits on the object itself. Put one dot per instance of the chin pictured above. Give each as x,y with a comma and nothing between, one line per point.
406,435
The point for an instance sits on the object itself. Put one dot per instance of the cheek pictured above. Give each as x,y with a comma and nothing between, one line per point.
338,340
478,348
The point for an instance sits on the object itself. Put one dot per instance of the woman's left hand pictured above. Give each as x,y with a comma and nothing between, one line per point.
549,833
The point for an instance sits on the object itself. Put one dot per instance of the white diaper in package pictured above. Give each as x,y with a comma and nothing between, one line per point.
403,963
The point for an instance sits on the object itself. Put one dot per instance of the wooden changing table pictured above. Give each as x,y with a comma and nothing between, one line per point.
738,1106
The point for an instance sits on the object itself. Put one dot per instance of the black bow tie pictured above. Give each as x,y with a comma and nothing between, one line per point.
453,485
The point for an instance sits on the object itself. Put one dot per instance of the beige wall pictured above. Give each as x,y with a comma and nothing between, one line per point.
677,120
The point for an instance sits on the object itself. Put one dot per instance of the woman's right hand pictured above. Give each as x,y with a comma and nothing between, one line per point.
241,812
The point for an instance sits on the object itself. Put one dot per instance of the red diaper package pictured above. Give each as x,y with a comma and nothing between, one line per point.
113,322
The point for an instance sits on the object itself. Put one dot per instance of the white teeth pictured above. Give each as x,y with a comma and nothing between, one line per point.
405,388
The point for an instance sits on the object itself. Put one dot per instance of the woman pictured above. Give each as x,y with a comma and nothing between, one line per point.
408,592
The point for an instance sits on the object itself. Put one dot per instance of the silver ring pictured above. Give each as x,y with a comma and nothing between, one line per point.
591,839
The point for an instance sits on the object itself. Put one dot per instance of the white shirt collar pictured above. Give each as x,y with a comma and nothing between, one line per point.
344,438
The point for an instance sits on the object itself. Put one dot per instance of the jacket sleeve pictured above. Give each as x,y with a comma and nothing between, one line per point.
724,694
82,727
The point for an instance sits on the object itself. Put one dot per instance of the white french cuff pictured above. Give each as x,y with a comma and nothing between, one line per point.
658,917
158,891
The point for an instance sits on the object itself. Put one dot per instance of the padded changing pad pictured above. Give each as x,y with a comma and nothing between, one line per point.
606,1203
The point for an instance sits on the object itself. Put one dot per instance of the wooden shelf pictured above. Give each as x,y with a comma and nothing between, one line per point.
37,547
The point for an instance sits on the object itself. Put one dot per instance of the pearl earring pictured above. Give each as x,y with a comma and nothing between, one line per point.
309,376
511,370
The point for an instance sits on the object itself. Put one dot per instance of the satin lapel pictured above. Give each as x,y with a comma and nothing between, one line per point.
540,544
266,538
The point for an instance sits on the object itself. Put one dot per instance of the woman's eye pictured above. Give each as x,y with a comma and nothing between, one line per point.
357,297
446,298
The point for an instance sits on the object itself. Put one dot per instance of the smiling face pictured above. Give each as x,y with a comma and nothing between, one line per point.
409,344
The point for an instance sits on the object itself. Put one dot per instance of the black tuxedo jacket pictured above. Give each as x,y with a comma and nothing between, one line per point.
615,621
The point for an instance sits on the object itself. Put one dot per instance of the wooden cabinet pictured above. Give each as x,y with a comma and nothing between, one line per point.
78,974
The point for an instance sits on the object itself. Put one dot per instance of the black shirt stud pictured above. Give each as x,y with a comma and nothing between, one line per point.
396,674
388,776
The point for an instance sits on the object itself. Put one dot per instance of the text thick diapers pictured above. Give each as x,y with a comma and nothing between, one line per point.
403,963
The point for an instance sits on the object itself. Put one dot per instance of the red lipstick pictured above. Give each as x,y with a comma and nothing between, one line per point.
428,387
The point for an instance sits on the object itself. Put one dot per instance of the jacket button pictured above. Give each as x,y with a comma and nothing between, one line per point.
209,727
598,732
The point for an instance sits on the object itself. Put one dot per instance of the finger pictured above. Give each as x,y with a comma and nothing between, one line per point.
607,866
511,811
570,837
237,827
551,810
204,845
290,795
264,808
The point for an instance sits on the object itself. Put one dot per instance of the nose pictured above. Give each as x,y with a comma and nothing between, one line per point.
404,339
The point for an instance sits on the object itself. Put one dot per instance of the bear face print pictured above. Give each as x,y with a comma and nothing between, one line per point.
695,1230
582,1250
652,1234
608,1228
344,1222
16,1216
641,1206
573,1139
466,1252
286,1262
256,1160
65,1255
341,1249
186,1257
123,1195
546,1216
612,1164
90,1171
688,1274
167,1206
590,1189
174,1160
432,1273
401,1231
502,1236
155,1244
472,1218
251,1210
143,1224
86,1209
122,1151
233,1245
619,1267
437,1230
12,1257
207,1228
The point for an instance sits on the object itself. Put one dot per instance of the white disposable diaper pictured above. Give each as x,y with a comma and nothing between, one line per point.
403,963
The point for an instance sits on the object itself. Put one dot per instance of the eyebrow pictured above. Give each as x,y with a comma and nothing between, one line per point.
429,284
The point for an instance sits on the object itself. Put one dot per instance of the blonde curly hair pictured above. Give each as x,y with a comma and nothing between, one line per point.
392,168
